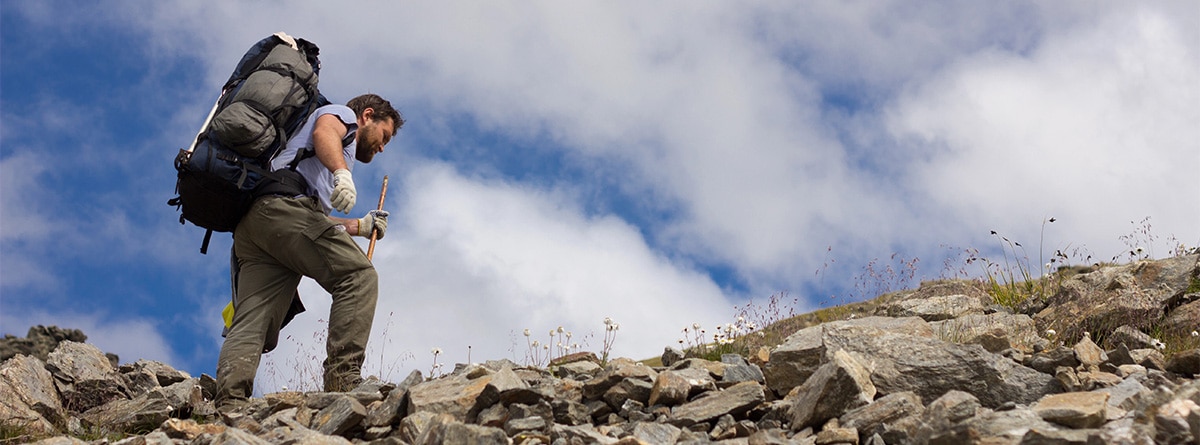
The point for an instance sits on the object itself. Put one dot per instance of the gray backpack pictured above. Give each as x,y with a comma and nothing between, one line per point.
270,94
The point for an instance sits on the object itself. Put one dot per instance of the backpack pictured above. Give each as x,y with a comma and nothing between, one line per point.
269,96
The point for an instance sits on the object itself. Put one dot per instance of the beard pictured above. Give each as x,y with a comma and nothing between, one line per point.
362,152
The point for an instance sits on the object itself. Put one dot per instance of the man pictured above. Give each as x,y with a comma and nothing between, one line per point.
286,236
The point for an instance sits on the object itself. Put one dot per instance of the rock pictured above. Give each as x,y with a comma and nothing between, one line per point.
164,375
1088,353
936,307
1135,294
394,406
1040,436
804,351
650,432
1074,409
930,367
1129,336
614,373
995,332
838,386
1171,421
84,376
990,427
1186,362
671,355
26,380
455,395
882,416
737,399
39,341
674,387
189,429
1049,361
340,416
1182,320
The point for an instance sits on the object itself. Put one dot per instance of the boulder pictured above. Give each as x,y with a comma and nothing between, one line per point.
84,376
838,386
937,307
1074,409
737,399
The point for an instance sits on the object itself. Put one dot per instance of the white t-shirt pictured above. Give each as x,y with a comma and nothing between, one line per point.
320,179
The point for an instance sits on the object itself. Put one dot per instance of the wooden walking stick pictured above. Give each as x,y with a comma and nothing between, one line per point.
375,232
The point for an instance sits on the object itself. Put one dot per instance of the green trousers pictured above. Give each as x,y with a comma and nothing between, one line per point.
279,241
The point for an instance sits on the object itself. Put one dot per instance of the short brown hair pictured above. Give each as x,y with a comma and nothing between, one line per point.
383,109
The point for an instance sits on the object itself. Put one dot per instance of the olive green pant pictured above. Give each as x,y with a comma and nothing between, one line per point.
277,243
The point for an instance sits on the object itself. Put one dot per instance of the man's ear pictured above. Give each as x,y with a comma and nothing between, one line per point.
368,114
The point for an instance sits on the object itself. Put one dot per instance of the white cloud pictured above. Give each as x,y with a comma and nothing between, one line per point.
1095,127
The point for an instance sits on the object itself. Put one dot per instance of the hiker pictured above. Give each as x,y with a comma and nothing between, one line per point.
285,237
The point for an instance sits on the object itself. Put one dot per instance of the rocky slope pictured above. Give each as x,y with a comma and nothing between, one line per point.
937,365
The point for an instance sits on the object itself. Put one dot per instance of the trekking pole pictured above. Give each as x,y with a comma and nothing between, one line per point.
375,232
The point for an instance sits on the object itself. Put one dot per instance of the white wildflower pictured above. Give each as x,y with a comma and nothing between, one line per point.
561,330
1051,332
526,332
608,321
696,326
284,387
436,351
1195,334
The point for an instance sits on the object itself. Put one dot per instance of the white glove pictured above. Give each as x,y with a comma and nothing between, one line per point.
344,195
374,220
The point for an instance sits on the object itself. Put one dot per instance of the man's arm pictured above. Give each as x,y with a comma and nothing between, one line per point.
327,141
351,224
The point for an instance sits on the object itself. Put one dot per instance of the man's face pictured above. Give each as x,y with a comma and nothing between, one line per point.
372,136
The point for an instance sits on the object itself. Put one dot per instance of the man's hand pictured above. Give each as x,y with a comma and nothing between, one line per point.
374,220
344,194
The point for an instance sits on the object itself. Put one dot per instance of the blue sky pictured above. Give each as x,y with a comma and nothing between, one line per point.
657,163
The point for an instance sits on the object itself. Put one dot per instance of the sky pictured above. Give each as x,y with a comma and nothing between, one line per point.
656,163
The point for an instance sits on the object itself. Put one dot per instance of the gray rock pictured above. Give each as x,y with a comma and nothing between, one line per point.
882,416
1088,353
27,396
1074,409
414,426
650,432
990,427
1136,294
805,350
737,400
579,434
930,367
340,416
27,383
569,412
616,371
1171,421
1129,336
838,386
1049,361
1039,436
455,395
393,407
671,355
996,332
164,374
84,376
1186,362
936,307
674,387
38,342
629,389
